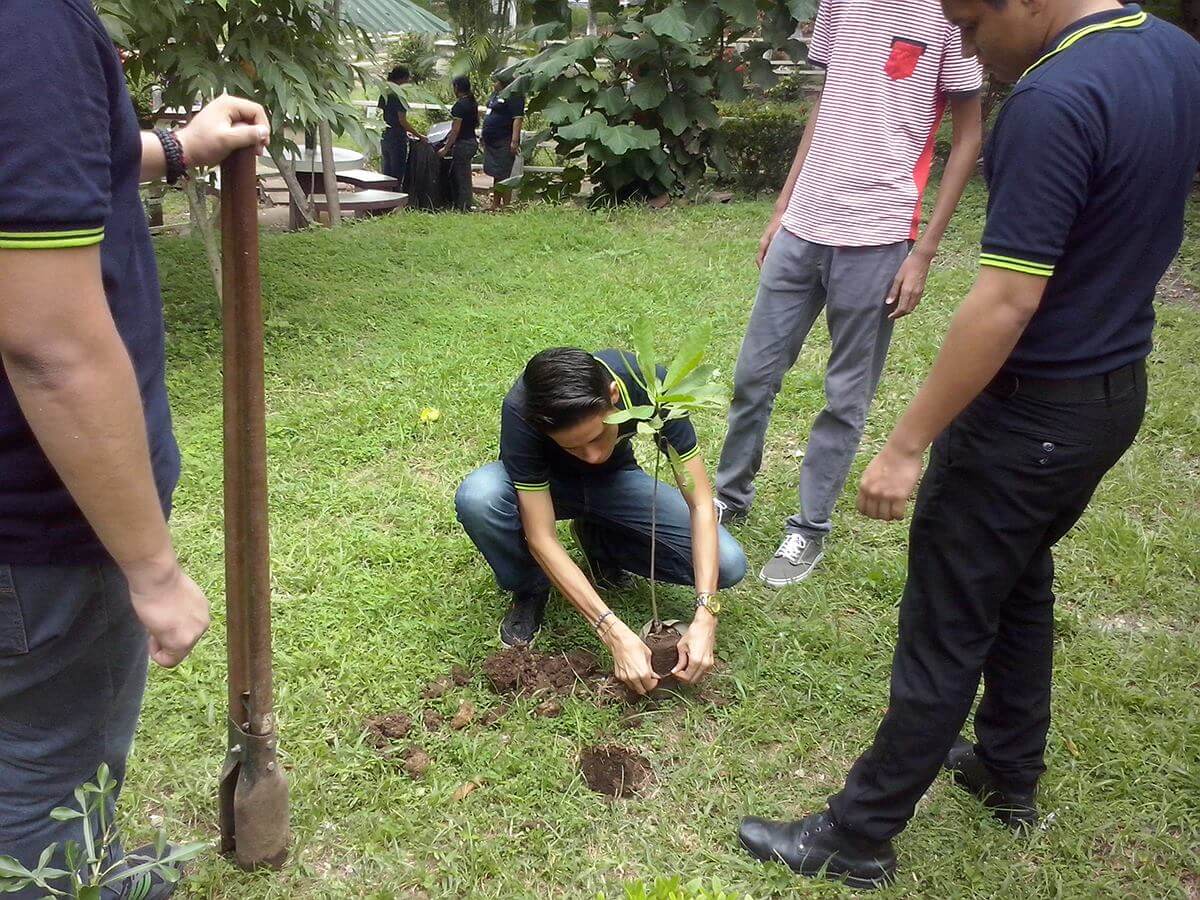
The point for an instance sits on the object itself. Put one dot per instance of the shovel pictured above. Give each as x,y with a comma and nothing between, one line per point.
253,790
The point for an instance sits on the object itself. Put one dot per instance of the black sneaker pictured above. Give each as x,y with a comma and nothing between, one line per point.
603,575
521,624
727,515
817,847
1016,809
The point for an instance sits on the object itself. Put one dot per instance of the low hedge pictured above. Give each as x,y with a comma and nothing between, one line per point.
761,141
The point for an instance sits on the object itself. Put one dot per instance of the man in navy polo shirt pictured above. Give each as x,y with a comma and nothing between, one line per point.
89,582
1039,389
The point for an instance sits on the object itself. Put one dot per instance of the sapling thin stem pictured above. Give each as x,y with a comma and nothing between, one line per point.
654,626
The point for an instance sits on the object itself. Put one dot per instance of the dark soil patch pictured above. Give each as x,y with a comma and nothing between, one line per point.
433,719
416,761
436,689
460,675
614,771
385,729
522,672
664,653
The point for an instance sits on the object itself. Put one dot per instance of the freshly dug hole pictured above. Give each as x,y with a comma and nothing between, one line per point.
614,771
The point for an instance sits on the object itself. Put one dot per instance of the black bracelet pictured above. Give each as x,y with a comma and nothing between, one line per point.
173,151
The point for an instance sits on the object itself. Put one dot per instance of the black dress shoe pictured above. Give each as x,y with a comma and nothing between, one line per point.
818,847
1016,809
521,624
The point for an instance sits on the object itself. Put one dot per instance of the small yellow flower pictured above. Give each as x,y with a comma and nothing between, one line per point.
430,414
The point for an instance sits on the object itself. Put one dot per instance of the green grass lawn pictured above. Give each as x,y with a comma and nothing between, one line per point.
377,590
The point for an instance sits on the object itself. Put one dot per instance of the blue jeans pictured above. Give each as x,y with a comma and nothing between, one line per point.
72,672
612,516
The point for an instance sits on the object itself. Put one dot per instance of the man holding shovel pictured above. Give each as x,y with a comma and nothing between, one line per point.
89,582
560,459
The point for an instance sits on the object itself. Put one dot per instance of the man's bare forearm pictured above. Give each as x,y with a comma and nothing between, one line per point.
83,405
785,195
981,337
964,154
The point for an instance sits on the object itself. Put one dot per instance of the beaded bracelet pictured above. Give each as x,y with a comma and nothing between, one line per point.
600,621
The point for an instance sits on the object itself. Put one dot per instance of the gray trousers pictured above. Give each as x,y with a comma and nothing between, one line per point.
72,671
798,279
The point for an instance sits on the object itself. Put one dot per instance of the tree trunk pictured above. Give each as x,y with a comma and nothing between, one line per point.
299,200
329,172
1190,17
591,22
654,535
197,197
328,169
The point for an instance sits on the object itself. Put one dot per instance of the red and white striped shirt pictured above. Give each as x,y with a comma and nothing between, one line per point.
890,68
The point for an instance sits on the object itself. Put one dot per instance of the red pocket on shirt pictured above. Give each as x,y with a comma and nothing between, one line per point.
902,61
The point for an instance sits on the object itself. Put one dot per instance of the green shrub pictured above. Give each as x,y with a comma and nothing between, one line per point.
760,142
417,52
793,88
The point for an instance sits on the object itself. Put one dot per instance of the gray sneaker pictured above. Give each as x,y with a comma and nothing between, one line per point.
794,561
727,515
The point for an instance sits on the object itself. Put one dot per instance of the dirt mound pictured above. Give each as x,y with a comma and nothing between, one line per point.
385,729
432,719
519,672
614,771
416,761
460,675
436,689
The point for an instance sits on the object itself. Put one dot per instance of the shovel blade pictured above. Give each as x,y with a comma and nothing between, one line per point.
254,804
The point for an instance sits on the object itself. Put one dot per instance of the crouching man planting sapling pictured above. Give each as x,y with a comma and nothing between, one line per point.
565,453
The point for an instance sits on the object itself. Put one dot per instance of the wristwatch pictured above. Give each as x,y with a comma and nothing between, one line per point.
709,602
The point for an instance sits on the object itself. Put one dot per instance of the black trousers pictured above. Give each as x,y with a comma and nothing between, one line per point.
1009,477
394,154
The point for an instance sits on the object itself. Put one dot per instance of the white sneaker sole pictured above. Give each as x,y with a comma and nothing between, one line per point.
795,579
500,639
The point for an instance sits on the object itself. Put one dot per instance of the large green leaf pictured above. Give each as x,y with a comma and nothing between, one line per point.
582,48
690,355
587,127
631,49
702,111
730,84
802,10
613,101
550,31
649,91
674,114
643,345
641,413
762,72
744,12
559,111
620,139
671,22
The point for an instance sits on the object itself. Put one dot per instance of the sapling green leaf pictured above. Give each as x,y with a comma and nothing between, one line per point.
690,355
642,413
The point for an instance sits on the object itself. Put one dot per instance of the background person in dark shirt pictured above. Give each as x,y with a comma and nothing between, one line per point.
502,135
559,459
462,144
89,581
1039,389
394,146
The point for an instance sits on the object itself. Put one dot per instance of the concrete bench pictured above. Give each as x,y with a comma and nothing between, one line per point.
369,201
364,178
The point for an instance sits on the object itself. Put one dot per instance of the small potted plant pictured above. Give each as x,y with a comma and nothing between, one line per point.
686,386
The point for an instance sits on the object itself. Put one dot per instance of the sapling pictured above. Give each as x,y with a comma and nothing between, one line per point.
684,387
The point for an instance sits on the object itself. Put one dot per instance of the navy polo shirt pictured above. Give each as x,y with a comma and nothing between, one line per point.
1089,168
531,458
70,160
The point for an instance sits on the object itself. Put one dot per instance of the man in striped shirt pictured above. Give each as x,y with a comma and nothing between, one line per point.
842,238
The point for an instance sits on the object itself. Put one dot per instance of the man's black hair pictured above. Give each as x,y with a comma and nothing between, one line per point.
563,386
399,75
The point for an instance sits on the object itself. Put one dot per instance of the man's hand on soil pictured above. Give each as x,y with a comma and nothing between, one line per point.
174,611
696,649
631,659
909,284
